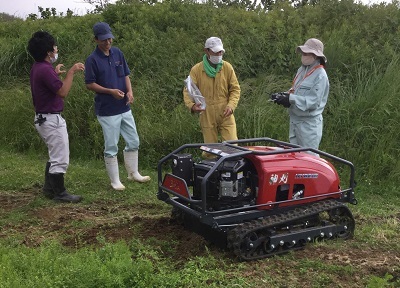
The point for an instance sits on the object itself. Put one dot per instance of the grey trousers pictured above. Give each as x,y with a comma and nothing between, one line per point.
54,133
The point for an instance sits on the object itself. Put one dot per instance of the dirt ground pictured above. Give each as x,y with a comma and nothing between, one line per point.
119,222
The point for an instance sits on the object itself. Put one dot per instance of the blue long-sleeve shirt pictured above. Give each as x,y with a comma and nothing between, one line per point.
311,93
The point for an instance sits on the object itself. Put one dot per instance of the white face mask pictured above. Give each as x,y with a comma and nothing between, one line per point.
307,59
52,60
215,59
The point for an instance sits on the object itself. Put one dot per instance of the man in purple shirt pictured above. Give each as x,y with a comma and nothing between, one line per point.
107,74
48,93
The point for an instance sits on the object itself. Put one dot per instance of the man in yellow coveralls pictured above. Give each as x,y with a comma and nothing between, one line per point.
218,84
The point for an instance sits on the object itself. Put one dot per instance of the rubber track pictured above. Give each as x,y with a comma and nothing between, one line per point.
237,235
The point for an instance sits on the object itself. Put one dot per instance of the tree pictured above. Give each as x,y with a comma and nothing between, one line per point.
44,13
99,5
32,16
69,13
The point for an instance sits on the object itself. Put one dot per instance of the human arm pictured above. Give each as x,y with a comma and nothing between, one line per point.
186,98
189,101
193,107
67,82
234,93
129,91
116,93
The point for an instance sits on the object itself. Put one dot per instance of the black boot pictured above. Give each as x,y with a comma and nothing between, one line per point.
60,193
47,189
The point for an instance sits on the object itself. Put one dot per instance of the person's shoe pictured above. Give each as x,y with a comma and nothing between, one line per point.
65,197
113,172
131,164
60,193
47,190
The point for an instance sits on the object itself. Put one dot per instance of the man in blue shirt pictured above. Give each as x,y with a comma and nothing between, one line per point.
107,74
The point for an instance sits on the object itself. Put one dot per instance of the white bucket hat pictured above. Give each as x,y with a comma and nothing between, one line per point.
313,46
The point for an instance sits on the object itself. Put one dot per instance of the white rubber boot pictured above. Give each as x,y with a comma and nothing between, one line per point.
131,165
113,172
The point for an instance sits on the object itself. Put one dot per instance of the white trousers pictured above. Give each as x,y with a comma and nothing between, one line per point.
54,133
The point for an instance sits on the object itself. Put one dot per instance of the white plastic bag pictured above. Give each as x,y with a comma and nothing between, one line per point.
195,93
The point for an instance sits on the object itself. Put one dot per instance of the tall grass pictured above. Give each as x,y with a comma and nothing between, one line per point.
256,116
362,120
161,43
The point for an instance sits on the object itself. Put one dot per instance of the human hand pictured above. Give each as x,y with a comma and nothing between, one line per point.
77,67
228,111
58,69
117,94
130,98
274,96
196,108
281,98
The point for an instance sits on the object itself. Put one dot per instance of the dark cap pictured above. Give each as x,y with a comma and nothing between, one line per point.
102,31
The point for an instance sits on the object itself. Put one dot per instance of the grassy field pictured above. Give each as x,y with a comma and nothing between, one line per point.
125,239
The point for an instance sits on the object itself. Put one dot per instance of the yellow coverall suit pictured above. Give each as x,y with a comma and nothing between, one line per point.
219,92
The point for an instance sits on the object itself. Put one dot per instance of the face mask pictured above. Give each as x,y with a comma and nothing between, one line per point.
52,60
215,59
307,60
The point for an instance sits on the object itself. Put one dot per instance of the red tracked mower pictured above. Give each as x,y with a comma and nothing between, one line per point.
258,197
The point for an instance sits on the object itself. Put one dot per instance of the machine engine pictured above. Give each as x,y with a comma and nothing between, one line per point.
227,187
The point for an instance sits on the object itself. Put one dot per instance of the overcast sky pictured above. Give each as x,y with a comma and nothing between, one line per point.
22,8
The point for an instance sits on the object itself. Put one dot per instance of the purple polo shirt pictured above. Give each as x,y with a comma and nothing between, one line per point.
44,86
110,72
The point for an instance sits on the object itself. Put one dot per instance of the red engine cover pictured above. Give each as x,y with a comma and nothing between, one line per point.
280,176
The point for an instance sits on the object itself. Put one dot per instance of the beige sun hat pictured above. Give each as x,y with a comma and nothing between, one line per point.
313,46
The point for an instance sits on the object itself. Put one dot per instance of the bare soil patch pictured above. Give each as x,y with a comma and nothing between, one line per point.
82,225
